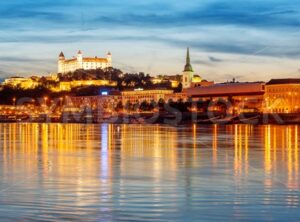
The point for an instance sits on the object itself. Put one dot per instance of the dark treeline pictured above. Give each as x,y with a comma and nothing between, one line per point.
162,105
9,95
125,81
202,106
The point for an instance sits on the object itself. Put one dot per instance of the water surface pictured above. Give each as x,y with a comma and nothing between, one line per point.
51,172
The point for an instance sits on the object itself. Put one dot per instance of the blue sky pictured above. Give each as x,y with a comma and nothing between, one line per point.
246,39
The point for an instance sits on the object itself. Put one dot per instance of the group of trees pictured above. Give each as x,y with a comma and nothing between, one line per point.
221,105
161,105
10,96
124,82
93,74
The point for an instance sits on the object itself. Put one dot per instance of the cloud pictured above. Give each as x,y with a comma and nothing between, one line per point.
219,28
21,59
242,13
250,13
214,59
127,68
211,61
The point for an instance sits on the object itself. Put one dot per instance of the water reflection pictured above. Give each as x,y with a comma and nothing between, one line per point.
132,172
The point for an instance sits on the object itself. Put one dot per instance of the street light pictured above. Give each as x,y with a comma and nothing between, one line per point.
61,100
45,100
14,101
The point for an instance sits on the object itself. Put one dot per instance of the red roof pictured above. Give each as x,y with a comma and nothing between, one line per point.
283,81
227,89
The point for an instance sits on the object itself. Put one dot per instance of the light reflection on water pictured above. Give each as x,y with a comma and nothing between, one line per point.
149,172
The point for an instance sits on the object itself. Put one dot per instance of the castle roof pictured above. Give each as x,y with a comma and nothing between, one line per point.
71,60
94,60
101,60
61,54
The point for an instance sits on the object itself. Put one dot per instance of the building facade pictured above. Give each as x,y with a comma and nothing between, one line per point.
85,63
174,80
138,96
277,96
176,97
67,86
242,97
104,103
282,96
23,83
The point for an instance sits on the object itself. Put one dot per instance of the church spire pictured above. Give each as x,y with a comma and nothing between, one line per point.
188,60
188,67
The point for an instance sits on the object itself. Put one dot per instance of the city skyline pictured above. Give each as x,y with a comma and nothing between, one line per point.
249,41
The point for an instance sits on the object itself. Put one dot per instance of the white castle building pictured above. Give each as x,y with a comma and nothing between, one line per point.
80,62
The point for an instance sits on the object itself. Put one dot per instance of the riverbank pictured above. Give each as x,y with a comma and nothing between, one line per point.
176,118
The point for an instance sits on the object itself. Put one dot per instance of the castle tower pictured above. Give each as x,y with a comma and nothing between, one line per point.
61,62
79,60
109,59
188,73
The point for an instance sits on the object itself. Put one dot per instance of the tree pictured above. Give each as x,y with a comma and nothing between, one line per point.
119,107
144,106
128,106
189,103
178,89
161,104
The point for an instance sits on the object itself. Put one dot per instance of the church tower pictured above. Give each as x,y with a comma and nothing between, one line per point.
188,73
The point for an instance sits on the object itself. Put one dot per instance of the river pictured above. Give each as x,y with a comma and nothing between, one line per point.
74,172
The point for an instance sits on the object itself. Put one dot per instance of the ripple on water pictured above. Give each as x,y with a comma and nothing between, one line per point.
71,172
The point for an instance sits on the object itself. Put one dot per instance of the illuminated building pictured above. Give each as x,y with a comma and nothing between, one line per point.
246,97
67,86
174,80
145,95
80,62
282,96
102,102
8,109
33,82
23,83
107,103
197,81
175,97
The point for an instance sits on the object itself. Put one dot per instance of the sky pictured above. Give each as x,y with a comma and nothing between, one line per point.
249,40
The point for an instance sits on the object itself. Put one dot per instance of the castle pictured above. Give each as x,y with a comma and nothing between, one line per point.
80,62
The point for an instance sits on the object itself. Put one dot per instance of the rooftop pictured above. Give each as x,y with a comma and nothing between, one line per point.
227,89
87,59
284,81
